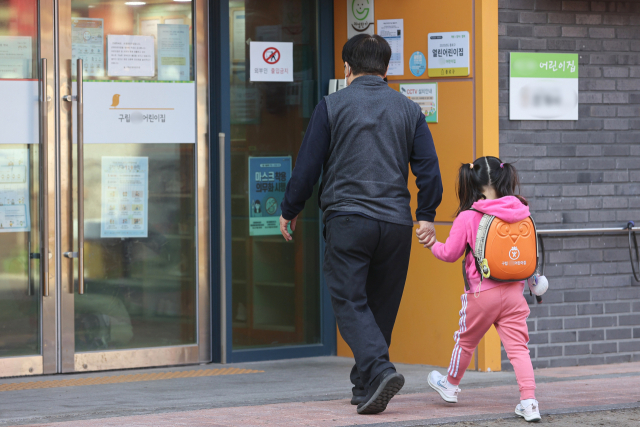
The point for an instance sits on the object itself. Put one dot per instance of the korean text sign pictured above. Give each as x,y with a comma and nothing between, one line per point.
271,62
448,54
543,86
268,177
426,96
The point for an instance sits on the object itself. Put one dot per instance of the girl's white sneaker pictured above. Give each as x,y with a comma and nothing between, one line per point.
439,383
530,412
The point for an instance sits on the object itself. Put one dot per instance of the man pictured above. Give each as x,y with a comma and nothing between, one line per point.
364,137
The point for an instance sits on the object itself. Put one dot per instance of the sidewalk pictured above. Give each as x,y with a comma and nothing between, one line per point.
300,392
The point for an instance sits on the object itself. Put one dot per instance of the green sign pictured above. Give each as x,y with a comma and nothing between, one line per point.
549,65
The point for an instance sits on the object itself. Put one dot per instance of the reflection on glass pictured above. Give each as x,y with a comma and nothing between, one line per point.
119,41
140,291
19,189
140,284
276,293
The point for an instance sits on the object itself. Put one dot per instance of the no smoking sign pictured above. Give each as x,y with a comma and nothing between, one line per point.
271,62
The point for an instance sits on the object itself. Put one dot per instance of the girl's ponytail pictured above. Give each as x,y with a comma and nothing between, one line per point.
507,182
469,188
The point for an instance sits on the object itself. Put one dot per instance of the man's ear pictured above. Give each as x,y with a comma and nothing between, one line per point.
386,72
347,69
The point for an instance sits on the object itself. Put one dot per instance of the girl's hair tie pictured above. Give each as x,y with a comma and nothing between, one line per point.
470,165
501,165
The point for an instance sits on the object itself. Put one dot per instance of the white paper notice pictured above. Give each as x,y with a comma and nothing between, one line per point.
125,195
173,52
271,62
130,56
393,32
14,190
15,57
87,43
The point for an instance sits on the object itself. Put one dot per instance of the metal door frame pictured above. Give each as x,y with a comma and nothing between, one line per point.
57,309
68,359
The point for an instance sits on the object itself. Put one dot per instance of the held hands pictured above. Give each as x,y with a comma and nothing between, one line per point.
283,227
426,233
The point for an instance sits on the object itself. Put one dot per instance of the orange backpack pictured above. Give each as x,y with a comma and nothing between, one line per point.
504,252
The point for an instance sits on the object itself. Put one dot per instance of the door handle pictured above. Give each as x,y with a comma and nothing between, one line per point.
44,180
80,156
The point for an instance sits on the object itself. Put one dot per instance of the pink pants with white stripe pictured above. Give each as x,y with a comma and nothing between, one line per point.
506,308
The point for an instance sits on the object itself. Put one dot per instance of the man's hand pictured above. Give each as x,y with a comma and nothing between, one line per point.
284,230
426,233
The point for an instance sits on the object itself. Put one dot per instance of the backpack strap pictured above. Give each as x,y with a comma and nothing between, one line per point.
464,265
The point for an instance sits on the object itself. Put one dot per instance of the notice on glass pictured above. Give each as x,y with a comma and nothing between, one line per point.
268,177
359,17
87,43
130,56
14,190
426,96
125,195
15,57
392,30
173,52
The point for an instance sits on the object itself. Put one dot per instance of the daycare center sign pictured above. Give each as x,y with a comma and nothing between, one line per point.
359,17
543,86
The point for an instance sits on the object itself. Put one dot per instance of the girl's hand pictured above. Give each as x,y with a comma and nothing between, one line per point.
429,246
426,234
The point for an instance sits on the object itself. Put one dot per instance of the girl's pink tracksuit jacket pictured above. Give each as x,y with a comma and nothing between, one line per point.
498,303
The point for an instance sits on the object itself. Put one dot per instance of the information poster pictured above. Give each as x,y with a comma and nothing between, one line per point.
426,96
268,177
392,30
448,54
271,62
14,190
417,64
238,31
173,52
131,56
360,17
125,195
87,43
15,57
543,86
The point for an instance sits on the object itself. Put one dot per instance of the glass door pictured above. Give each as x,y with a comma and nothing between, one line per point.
27,286
104,237
132,176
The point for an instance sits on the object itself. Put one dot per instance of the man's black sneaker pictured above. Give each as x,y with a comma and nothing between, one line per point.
357,399
386,385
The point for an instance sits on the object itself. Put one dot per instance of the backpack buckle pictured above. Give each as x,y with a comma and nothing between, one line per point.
484,269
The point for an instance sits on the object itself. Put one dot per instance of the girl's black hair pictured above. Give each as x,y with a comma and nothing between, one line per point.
486,171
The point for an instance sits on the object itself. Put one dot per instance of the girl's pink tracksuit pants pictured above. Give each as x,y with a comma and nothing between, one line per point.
505,307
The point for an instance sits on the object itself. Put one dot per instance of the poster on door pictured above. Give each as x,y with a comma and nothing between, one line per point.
15,57
87,43
268,177
131,56
448,54
393,32
271,62
125,196
173,52
14,190
426,96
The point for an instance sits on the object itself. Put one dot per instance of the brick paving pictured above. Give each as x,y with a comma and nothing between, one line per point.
591,392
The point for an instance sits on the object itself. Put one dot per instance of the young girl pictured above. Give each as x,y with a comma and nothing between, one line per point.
487,186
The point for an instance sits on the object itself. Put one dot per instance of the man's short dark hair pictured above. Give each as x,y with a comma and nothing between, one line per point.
367,54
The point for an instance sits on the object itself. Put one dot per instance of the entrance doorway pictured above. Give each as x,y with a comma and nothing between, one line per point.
104,237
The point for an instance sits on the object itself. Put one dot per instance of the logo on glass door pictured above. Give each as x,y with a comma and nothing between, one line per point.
271,55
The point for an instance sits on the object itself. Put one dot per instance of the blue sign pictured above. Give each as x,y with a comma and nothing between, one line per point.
417,64
268,177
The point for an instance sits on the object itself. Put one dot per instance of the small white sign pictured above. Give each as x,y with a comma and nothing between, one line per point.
14,190
173,52
448,54
139,112
360,17
131,56
393,32
87,43
271,62
15,57
19,118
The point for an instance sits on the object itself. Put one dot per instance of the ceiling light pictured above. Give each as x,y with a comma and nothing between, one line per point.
182,1
134,3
